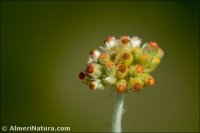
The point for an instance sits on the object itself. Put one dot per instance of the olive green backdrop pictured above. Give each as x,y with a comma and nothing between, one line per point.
44,46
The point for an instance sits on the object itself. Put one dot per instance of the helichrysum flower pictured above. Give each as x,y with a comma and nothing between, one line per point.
123,64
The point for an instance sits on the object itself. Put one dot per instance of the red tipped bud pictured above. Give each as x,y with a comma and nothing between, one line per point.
90,68
122,68
139,68
108,39
136,83
92,85
121,89
126,56
122,71
121,86
125,41
82,75
137,86
103,58
110,64
94,53
151,81
153,44
96,85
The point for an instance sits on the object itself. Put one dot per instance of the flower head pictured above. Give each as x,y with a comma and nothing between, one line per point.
123,64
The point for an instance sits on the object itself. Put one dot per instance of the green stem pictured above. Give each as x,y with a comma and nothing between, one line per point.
118,111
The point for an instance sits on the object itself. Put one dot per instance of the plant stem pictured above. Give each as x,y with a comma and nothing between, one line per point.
118,111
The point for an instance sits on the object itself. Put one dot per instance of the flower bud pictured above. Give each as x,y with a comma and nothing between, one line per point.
110,68
93,56
122,70
94,70
144,46
153,65
151,81
135,84
127,58
103,58
135,70
148,79
151,49
84,78
135,41
124,56
110,43
96,85
94,53
121,86
153,44
145,60
137,52
125,42
109,80
139,68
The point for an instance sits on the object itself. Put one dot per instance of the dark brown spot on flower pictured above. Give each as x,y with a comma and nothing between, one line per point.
125,41
125,56
92,86
122,68
121,89
81,75
151,81
90,68
139,68
137,86
153,44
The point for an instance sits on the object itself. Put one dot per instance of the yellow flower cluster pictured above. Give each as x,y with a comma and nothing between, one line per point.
122,64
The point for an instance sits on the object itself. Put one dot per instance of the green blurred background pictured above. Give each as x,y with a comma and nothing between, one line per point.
44,46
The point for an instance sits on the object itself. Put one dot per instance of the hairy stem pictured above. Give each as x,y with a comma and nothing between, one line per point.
118,111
